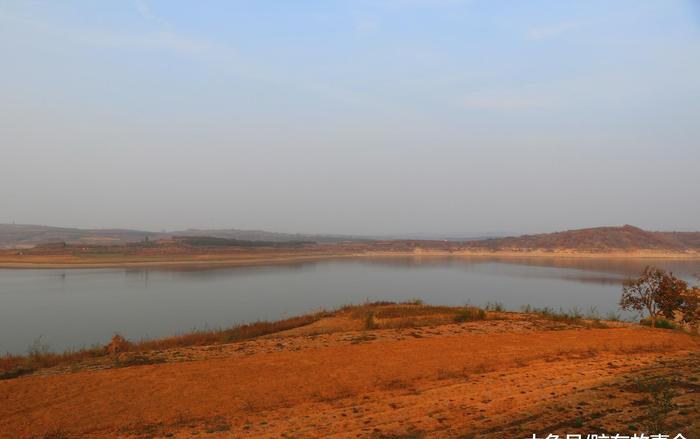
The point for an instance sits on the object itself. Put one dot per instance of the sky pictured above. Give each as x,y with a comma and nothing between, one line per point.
360,116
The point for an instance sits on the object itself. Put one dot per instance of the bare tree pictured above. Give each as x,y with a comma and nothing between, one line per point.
657,292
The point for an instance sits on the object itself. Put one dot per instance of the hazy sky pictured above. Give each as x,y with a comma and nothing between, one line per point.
356,116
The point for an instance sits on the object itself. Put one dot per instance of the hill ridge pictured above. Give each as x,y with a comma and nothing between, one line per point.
606,238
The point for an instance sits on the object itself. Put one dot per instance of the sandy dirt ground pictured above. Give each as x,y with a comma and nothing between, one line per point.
178,256
223,260
490,379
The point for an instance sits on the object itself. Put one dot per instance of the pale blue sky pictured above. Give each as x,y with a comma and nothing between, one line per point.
383,116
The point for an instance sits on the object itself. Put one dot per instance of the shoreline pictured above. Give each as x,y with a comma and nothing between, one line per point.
191,261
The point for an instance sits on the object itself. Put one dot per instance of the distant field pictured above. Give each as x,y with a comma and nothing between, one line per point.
196,248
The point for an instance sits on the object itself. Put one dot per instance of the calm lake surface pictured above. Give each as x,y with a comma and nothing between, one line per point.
78,307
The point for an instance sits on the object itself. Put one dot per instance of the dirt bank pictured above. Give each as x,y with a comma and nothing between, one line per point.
494,378
13,259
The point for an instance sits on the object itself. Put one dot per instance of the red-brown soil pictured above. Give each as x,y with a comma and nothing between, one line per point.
503,378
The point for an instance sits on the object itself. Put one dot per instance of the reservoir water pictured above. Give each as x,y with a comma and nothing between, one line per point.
75,308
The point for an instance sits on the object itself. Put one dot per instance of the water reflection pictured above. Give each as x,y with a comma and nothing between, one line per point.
626,267
619,269
73,308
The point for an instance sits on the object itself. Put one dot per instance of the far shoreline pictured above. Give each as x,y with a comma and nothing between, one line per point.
238,260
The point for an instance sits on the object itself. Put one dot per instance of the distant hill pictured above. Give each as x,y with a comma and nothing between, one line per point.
599,239
455,237
26,235
257,235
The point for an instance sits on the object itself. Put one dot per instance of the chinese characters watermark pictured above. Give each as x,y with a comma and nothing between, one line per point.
608,436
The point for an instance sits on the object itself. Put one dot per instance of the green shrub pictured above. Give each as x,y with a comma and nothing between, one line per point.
14,373
660,402
660,323
470,313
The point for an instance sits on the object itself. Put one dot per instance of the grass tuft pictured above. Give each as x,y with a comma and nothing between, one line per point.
613,316
574,316
495,306
369,321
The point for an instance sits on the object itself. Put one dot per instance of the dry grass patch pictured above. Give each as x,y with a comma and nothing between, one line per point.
334,395
369,316
393,310
144,429
390,315
233,334
39,357
449,374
